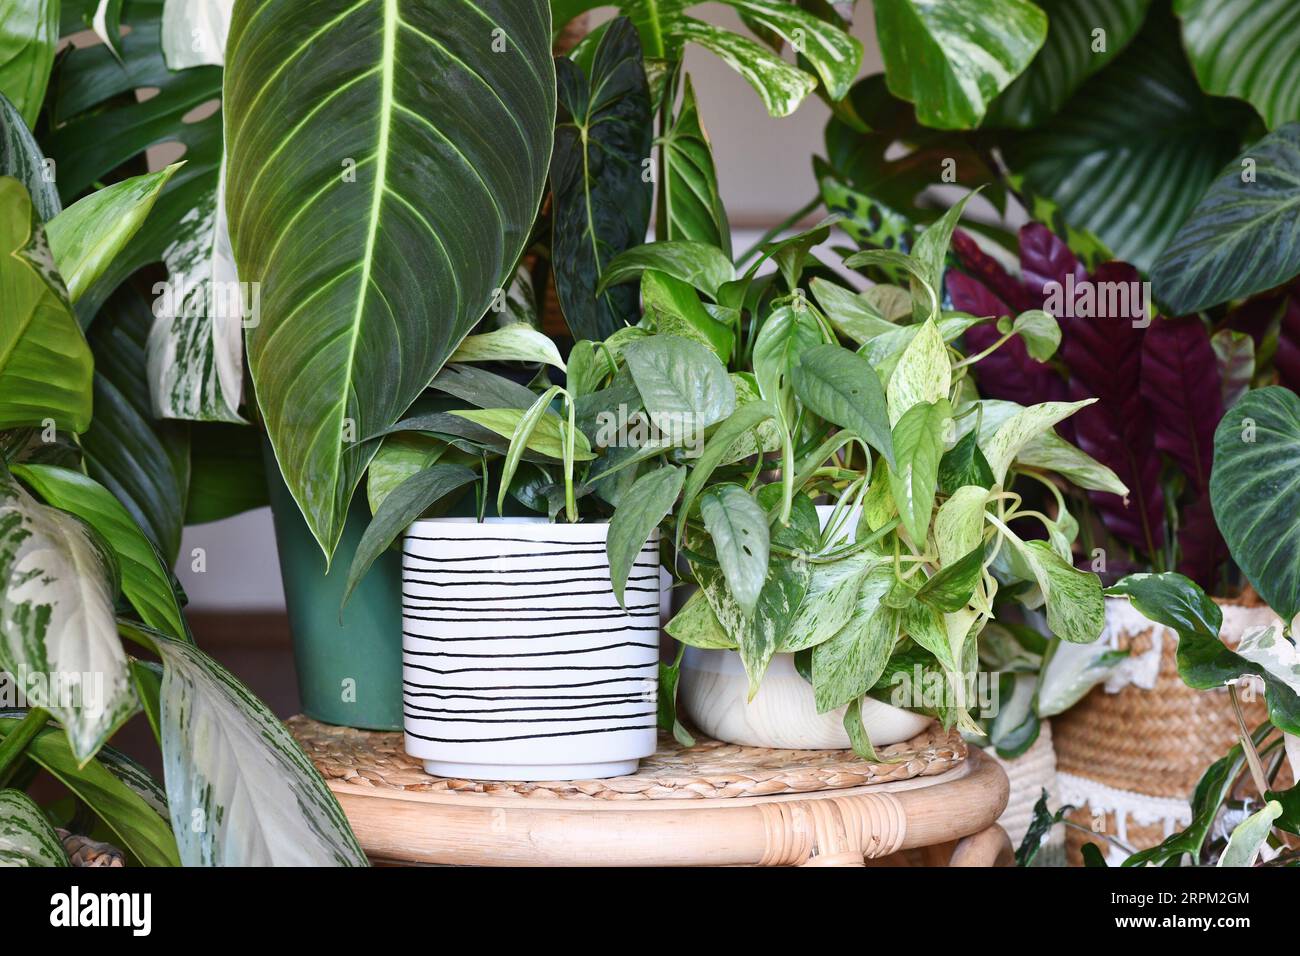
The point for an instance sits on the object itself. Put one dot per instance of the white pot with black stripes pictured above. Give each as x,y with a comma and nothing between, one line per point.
518,662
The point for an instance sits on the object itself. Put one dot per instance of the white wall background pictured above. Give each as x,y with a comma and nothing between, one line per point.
765,174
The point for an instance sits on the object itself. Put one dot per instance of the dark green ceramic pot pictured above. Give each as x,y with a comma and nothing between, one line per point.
349,673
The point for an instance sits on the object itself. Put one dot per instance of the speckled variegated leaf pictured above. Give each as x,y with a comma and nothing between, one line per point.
26,837
1249,49
382,229
57,589
829,602
923,373
194,32
833,53
239,788
46,367
781,86
21,157
959,523
1076,609
952,58
1022,428
697,626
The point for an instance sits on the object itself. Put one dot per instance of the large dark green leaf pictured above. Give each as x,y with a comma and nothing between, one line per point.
1255,492
385,164
951,59
602,195
1134,149
29,32
1072,52
692,208
1243,236
21,157
227,472
142,459
45,363
843,388
1246,48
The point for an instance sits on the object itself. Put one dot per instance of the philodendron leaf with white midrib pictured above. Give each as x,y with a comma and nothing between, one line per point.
239,788
56,618
26,837
374,267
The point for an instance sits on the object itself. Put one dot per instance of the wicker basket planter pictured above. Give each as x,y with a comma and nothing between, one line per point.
1130,756
1030,774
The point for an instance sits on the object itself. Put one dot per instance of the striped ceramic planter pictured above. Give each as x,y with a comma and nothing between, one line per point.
518,663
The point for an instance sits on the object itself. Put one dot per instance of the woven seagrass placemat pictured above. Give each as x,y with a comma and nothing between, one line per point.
708,771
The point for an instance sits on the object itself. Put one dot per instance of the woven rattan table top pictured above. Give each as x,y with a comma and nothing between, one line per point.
710,770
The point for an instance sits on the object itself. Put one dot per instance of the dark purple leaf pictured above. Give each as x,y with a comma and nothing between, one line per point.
1181,384
1201,548
1287,359
989,271
1045,259
1104,357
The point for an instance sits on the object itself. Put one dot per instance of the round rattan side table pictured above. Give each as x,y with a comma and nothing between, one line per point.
928,802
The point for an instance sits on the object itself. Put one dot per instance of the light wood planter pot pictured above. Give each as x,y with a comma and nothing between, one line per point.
683,808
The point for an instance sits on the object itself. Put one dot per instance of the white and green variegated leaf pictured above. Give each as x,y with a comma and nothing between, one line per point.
1248,837
1022,428
21,158
1082,37
923,373
698,264
240,790
738,527
852,314
374,266
765,438
194,32
1076,608
850,662
959,523
781,86
952,58
1248,49
106,21
57,591
681,382
511,343
1273,652
1071,671
830,600
697,626
26,837
833,53
914,475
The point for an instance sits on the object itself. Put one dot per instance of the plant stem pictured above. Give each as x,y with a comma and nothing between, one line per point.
12,747
778,229
1248,745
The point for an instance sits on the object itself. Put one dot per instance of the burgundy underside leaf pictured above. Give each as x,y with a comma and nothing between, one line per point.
1255,315
1287,359
1201,548
1181,384
1104,357
990,273
1044,259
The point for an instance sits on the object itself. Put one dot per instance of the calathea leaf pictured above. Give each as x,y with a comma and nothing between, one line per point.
1180,382
648,502
692,207
56,618
26,837
973,49
1241,238
29,33
1082,37
602,197
1227,42
355,257
738,527
239,788
842,387
45,363
914,476
1234,354
1256,496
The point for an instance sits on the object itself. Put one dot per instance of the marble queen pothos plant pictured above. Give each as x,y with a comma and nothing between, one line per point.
892,429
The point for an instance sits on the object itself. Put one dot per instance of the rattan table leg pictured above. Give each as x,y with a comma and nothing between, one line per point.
840,831
991,847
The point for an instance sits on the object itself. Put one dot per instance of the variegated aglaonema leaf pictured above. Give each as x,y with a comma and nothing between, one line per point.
26,837
45,363
57,630
385,162
240,790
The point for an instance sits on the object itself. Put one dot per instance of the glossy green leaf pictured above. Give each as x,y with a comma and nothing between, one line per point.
602,200
1243,236
522,436
57,590
645,505
1039,330
675,309
87,236
681,383
951,59
859,739
914,476
1246,48
692,206
1256,496
21,158
146,582
745,419
738,527
45,363
951,587
964,464
785,335
482,388
1082,37
239,788
843,388
930,253
399,508
374,267
111,791
702,266
29,33
26,837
